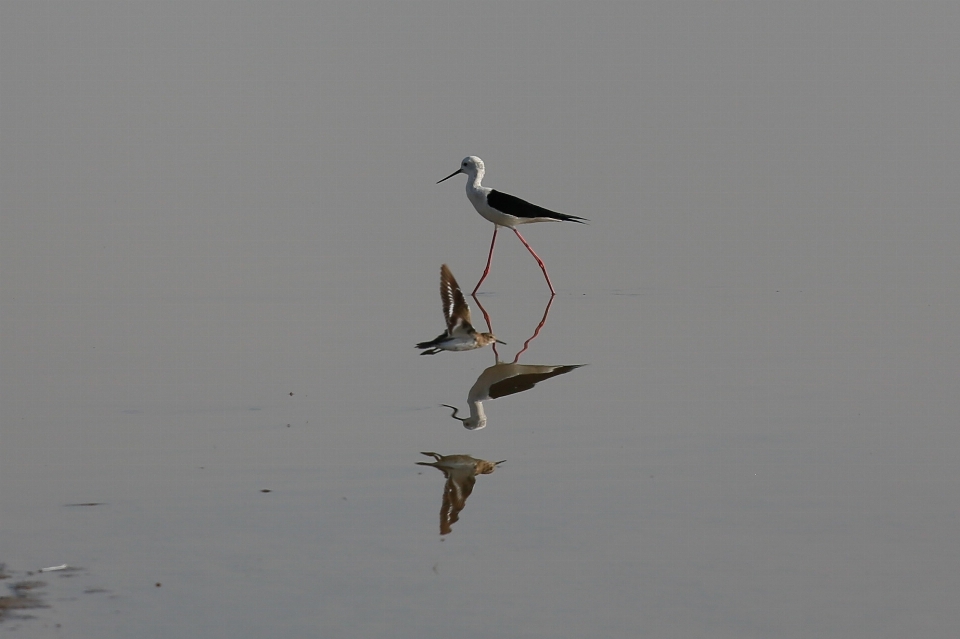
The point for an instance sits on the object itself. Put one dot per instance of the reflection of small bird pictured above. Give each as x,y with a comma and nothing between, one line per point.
460,334
461,472
501,380
505,210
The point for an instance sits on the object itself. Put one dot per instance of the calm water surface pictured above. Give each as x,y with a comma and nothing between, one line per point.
775,482
221,239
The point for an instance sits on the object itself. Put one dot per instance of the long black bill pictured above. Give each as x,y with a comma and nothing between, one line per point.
458,171
454,415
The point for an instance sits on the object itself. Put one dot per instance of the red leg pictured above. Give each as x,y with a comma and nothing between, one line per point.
539,261
486,316
526,344
489,259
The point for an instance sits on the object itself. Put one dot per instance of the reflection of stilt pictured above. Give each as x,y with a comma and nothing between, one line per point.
503,378
543,321
526,344
486,317
500,380
461,472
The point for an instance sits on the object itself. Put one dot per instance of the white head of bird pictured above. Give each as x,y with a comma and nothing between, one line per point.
471,166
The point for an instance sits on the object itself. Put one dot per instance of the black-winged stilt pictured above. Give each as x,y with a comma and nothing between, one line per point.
505,210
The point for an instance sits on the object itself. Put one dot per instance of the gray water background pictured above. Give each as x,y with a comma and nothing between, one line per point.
220,238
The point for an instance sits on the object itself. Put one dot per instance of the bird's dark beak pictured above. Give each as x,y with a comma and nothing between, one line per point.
458,171
500,342
455,409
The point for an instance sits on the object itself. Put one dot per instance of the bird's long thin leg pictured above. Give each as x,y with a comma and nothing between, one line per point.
489,259
526,344
486,317
539,261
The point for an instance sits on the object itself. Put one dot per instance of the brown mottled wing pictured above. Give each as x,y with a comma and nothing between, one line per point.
455,309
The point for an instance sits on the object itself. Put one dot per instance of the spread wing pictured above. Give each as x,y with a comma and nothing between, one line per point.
455,309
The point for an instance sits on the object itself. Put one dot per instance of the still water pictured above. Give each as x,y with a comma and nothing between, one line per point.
222,237
769,486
